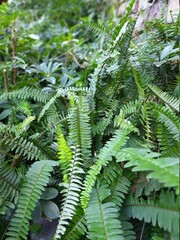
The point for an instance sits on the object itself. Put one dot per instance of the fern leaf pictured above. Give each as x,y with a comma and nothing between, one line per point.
168,118
70,193
77,227
80,131
28,93
163,169
102,218
164,212
36,179
165,97
9,181
168,146
64,155
111,148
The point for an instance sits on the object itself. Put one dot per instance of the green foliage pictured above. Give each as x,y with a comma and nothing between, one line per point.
81,86
10,181
163,169
103,158
162,211
36,179
70,192
106,224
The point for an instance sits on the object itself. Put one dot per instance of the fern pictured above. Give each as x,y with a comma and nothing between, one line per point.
36,179
80,130
61,92
164,212
64,155
22,146
165,97
163,169
168,146
104,157
168,118
10,181
102,218
77,227
70,193
28,93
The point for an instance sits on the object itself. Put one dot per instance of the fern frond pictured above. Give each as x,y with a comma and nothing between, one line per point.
37,178
163,169
28,93
103,123
64,155
102,218
77,228
98,29
104,157
145,120
127,227
163,212
22,146
70,193
168,146
80,130
10,181
165,97
123,20
118,184
168,118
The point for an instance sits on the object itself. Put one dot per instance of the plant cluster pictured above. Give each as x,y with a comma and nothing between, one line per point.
89,131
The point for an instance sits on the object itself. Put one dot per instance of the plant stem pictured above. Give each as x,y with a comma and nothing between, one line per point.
6,80
14,45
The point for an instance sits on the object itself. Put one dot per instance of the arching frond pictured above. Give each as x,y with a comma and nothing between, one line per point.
10,181
28,93
102,218
165,97
163,212
36,179
163,169
77,228
80,130
104,157
70,193
167,117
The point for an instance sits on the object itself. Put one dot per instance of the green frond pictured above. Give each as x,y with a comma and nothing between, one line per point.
167,117
102,218
10,181
146,116
103,123
28,93
165,97
127,227
139,82
123,20
64,155
22,146
98,29
80,130
70,193
118,184
23,126
163,212
168,146
77,228
37,178
104,157
164,169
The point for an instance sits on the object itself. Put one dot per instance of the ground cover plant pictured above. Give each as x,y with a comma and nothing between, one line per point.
89,131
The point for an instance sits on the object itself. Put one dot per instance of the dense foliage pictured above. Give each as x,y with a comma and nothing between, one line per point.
89,131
